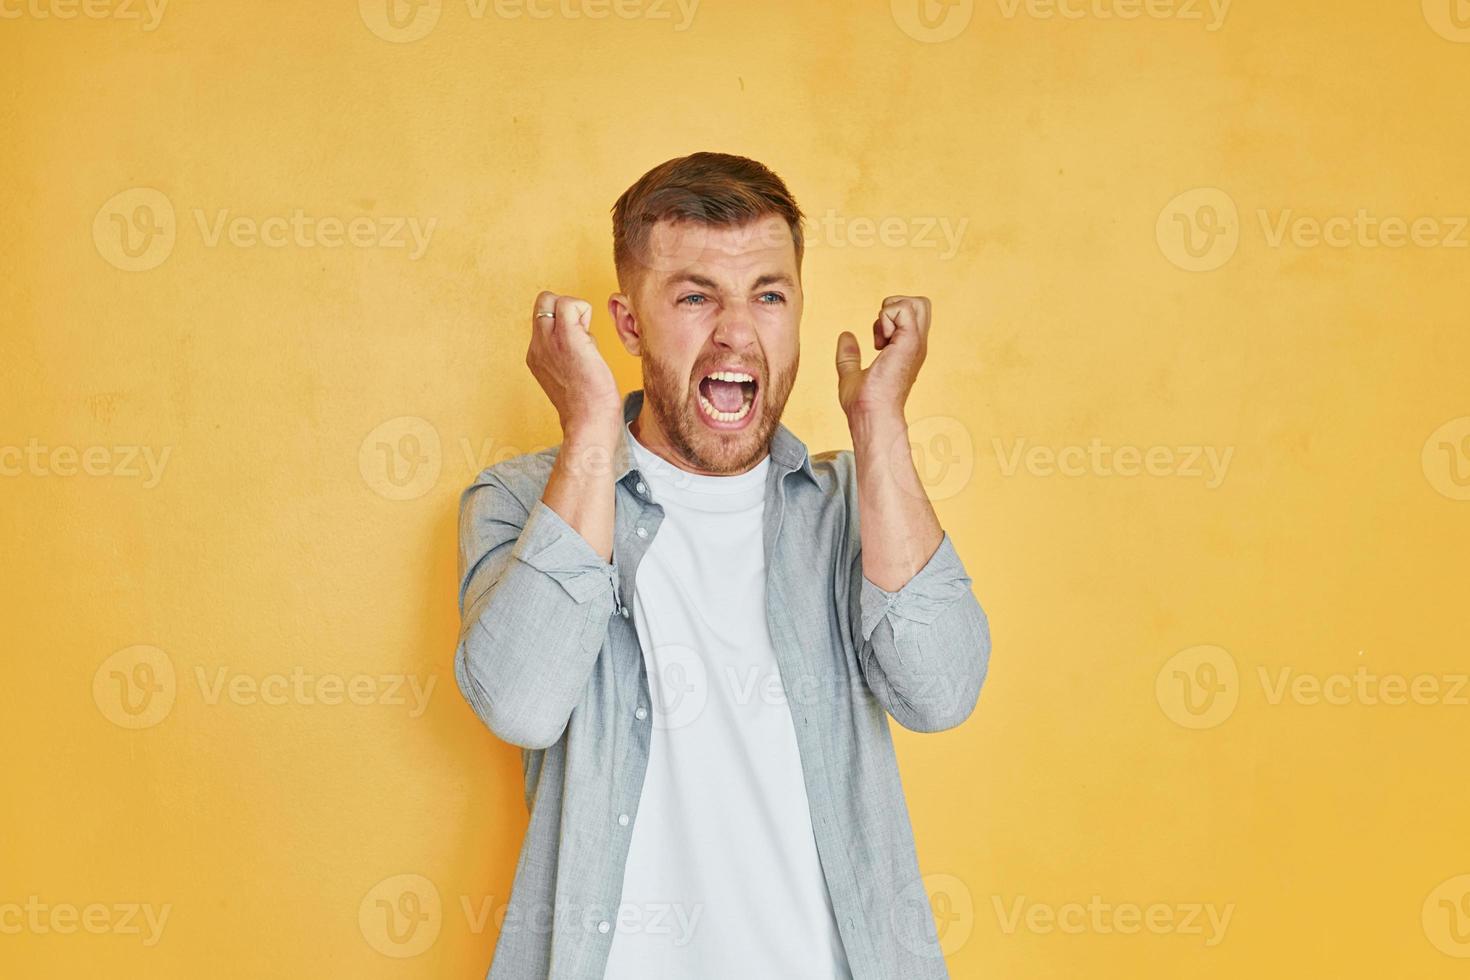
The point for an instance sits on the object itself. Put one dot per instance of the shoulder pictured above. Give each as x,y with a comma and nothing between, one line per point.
832,492
519,479
835,471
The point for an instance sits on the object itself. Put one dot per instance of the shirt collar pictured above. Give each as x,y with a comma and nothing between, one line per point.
787,451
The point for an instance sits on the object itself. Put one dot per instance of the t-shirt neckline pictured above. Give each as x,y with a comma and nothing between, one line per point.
669,478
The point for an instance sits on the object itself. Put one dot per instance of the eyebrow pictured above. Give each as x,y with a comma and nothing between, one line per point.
704,282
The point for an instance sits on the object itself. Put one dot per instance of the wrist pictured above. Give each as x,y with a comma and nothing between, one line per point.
882,422
602,432
589,448
593,427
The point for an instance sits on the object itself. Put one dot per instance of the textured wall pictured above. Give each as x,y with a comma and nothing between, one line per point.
1195,412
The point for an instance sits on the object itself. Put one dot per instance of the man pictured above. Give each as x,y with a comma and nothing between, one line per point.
696,631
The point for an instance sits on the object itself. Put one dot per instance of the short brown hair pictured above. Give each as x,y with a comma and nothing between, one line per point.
709,188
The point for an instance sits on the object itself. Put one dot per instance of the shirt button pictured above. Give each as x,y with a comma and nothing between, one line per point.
642,531
641,713
642,487
603,926
622,820
623,612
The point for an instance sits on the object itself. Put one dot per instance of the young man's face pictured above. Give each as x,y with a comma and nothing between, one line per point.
721,301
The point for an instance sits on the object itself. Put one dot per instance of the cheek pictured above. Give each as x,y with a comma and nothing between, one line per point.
670,344
781,343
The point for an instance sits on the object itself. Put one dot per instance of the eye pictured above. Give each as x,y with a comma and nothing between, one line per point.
685,300
772,298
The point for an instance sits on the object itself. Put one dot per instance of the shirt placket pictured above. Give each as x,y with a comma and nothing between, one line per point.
830,844
636,522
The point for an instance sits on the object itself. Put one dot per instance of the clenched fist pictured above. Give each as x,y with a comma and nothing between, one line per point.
569,367
901,336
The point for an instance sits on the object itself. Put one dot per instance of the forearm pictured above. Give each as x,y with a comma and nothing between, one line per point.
581,489
534,602
899,530
922,640
526,651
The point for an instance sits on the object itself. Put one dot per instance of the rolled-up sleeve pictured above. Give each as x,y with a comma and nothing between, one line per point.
534,602
925,649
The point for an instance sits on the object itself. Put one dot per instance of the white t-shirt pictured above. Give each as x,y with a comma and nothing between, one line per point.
723,881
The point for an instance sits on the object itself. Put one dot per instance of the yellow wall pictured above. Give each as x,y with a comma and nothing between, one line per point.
269,387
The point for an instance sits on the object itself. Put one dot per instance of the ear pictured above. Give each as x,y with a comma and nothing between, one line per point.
620,307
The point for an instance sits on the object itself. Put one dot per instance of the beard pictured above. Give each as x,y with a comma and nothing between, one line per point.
672,400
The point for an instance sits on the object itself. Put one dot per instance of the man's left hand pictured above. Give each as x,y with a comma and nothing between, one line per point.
901,337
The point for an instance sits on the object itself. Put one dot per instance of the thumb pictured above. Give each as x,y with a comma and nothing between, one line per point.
849,355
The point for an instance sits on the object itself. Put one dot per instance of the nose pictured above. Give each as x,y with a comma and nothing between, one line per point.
735,328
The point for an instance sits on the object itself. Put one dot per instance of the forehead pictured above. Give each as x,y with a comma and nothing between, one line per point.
733,251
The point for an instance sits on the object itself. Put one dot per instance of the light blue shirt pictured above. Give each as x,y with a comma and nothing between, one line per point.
549,659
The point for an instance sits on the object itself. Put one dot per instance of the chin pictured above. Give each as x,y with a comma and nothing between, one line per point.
725,445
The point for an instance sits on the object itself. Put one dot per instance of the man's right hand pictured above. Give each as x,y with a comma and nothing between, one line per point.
570,369
567,364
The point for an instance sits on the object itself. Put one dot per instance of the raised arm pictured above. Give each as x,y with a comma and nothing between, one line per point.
923,640
536,581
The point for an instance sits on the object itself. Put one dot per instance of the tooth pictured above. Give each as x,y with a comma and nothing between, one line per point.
720,416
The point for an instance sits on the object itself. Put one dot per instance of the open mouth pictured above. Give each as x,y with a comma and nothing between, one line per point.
726,398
